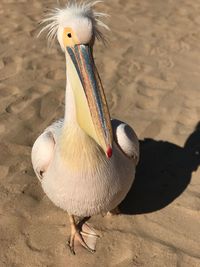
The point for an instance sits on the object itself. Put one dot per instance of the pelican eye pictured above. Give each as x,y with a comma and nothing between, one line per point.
69,35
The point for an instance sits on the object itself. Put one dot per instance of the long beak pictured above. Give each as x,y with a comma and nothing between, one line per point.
91,106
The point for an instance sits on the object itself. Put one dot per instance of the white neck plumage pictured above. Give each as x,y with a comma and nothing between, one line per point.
70,107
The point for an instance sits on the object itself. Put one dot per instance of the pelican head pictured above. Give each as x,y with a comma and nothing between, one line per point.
76,27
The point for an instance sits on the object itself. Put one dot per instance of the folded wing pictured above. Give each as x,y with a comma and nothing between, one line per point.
126,139
43,149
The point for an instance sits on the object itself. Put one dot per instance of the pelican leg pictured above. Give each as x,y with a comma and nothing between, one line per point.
82,233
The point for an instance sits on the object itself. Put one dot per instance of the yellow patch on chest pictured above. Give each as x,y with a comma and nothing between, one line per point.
79,151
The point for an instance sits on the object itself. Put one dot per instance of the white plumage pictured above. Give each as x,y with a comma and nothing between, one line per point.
95,184
69,157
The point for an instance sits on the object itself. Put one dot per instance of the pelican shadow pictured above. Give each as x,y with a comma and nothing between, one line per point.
163,173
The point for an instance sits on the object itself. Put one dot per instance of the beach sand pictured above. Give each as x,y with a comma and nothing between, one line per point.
150,69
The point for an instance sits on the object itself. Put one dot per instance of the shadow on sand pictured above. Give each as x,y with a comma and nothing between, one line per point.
163,173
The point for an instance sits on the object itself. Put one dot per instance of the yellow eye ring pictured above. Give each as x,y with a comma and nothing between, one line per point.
69,37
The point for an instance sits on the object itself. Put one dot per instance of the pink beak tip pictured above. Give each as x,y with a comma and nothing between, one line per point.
109,152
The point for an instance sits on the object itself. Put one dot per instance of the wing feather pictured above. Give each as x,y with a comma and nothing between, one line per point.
126,139
43,149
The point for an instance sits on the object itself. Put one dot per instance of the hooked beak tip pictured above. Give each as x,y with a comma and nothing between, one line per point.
109,152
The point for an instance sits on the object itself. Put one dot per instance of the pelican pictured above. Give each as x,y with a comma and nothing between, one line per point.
85,162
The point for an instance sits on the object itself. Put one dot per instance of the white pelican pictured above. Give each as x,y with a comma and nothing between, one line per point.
85,162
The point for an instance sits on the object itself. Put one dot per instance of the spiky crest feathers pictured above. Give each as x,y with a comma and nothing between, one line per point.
57,17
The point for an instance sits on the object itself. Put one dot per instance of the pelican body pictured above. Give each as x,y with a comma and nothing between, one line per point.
85,162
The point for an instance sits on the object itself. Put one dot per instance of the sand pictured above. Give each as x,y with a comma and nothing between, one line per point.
151,73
